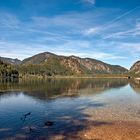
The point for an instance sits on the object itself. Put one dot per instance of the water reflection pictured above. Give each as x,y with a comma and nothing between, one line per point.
27,106
52,88
135,84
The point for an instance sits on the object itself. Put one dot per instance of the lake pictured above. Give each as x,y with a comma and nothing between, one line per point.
61,108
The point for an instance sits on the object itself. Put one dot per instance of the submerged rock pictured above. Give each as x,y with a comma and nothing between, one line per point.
49,123
27,114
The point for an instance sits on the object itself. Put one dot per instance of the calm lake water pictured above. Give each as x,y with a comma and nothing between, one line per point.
67,104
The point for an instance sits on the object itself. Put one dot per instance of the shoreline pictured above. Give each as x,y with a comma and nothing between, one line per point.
74,77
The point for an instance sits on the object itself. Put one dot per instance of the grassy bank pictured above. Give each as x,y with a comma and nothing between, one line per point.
72,76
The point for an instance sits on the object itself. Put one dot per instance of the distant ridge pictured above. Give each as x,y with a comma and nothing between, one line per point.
10,61
74,64
47,63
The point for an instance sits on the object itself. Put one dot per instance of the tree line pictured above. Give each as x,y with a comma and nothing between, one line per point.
7,70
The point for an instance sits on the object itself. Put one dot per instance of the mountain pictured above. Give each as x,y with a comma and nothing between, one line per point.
53,64
10,61
135,69
39,58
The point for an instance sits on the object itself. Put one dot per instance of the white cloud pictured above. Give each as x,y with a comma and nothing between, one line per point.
130,47
77,48
91,31
90,1
127,33
72,19
19,50
89,54
9,21
101,30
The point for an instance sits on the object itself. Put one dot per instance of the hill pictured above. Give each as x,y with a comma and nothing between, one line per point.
10,61
135,69
51,64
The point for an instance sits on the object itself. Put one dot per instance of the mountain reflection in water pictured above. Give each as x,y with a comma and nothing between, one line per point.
52,88
47,108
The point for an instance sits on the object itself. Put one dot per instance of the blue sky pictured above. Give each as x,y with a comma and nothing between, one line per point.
108,30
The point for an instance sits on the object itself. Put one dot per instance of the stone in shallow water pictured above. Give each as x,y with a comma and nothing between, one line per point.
49,123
